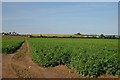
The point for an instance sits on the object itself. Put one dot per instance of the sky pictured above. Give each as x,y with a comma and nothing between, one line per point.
60,17
0,17
60,0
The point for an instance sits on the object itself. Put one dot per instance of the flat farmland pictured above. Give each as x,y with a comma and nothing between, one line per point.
88,57
60,58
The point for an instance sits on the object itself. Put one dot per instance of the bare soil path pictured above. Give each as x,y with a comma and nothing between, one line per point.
20,65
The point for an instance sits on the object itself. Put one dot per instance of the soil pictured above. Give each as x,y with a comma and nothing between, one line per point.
20,65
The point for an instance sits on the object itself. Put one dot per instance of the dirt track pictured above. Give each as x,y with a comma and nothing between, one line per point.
20,65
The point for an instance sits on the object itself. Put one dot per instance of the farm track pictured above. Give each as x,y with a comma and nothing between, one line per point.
20,65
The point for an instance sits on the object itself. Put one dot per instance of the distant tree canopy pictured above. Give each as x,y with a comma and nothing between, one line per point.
111,37
102,36
108,36
78,33
10,33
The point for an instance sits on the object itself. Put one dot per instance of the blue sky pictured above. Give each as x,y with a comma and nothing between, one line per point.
60,17
60,0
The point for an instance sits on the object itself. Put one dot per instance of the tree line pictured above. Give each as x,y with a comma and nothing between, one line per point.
9,33
77,35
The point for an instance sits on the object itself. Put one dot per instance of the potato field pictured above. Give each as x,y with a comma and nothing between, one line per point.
10,45
88,57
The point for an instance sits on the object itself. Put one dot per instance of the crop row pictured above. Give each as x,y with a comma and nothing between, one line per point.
88,57
11,45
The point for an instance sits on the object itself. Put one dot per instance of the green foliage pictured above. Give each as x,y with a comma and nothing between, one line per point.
10,45
88,57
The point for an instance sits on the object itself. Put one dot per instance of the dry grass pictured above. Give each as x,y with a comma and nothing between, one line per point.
57,35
